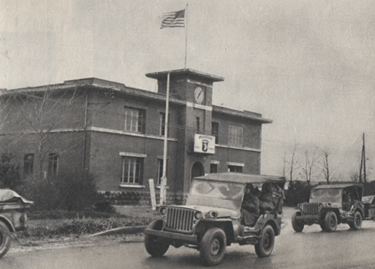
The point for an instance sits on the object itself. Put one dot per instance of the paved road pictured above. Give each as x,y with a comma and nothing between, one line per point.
311,249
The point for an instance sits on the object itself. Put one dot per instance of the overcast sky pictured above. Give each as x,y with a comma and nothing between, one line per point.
307,65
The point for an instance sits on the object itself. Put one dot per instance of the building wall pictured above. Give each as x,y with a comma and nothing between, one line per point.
90,133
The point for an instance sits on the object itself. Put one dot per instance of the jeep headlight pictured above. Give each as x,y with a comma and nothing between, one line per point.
198,215
212,214
163,211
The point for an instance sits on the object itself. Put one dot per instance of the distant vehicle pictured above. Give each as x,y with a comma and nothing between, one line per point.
211,220
13,217
369,205
330,205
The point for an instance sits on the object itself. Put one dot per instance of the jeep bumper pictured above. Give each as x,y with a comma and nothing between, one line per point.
170,236
308,218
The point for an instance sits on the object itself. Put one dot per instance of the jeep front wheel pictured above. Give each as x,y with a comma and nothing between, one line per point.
356,224
297,225
4,239
330,222
212,248
154,247
266,243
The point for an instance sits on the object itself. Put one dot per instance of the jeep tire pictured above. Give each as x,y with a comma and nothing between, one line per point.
5,239
297,225
356,224
154,247
266,243
213,245
330,221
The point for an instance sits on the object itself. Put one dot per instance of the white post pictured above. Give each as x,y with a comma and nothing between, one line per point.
163,185
152,193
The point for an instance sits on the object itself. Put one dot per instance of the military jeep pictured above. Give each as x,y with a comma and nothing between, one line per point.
211,220
330,205
13,217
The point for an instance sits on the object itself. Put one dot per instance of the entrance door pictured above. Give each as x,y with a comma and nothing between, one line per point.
197,170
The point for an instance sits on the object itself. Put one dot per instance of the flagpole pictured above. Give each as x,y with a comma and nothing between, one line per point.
186,27
163,187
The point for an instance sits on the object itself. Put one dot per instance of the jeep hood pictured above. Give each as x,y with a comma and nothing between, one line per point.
222,212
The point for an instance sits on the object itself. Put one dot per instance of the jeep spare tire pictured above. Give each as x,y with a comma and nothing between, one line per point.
266,243
297,225
330,221
212,248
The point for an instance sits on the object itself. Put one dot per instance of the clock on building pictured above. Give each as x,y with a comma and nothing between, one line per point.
199,95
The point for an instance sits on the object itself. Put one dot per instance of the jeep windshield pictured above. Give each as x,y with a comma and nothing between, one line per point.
216,194
326,195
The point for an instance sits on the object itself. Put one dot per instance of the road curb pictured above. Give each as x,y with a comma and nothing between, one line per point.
121,230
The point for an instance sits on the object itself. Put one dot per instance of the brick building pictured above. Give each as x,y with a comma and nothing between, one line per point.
116,132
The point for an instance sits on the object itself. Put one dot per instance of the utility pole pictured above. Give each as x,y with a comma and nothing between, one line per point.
363,162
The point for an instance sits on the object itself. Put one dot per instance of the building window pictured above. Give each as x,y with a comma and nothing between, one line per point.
135,120
162,123
198,125
235,136
132,170
160,171
213,168
215,131
53,164
28,164
234,169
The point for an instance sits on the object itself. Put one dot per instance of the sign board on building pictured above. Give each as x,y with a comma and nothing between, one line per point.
204,144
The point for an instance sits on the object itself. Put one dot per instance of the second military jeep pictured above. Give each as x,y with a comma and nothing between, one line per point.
329,205
211,220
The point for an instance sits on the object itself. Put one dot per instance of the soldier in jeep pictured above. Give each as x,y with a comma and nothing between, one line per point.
346,200
250,206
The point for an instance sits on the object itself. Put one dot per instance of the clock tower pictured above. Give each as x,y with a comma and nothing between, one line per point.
191,91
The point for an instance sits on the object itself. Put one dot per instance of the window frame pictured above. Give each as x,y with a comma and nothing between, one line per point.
235,135
215,131
162,124
237,168
212,165
135,120
133,168
53,164
198,125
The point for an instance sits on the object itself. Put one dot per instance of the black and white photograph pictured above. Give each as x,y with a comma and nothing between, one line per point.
187,134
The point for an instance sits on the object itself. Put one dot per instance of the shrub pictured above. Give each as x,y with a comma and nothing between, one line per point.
70,190
298,192
77,190
9,171
44,193
104,206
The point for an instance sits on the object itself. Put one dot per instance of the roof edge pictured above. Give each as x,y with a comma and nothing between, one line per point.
162,74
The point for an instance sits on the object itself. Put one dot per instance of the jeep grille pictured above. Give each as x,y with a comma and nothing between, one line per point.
310,208
179,219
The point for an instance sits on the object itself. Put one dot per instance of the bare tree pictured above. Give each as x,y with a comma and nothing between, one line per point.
309,165
326,166
42,114
291,163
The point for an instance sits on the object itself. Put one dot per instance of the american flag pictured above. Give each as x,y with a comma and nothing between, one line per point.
173,19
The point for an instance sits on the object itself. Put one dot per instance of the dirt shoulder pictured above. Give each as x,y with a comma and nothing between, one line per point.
112,236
